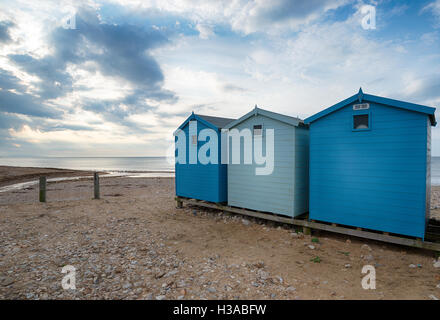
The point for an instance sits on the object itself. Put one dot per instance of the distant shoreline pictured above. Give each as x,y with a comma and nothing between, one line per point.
91,164
10,175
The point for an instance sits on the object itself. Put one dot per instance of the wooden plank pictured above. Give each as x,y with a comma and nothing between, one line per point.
320,226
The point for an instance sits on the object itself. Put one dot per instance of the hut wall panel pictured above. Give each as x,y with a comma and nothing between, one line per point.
203,182
276,192
374,179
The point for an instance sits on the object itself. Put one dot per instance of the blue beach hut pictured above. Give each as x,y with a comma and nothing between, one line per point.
284,190
370,164
196,180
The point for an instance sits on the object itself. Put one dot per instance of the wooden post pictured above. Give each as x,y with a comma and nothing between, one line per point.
307,231
43,189
96,184
179,203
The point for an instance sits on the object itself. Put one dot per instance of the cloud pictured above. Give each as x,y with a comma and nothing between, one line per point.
118,51
9,81
243,15
205,31
14,100
229,87
25,104
426,88
296,11
5,37
97,69
434,8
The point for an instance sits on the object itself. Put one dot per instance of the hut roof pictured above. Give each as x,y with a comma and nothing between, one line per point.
273,115
360,96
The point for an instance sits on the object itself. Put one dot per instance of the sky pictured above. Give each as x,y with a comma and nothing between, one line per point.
116,78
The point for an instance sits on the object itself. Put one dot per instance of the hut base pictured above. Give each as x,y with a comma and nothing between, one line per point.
312,225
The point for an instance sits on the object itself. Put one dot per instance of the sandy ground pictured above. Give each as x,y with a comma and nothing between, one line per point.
135,244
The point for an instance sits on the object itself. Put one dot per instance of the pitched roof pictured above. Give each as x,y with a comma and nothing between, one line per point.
273,115
216,121
360,96
212,122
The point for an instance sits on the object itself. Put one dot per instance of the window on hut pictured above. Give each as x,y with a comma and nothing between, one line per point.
360,121
258,130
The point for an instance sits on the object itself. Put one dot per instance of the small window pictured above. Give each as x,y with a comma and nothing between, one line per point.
258,130
361,122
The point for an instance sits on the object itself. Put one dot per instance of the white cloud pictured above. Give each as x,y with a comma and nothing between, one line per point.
205,30
433,7
243,15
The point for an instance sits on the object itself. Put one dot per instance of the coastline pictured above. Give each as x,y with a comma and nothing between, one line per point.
14,174
10,175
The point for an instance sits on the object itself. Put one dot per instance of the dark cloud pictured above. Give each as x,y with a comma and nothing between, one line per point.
25,104
5,37
9,81
20,102
55,80
120,51
8,121
292,9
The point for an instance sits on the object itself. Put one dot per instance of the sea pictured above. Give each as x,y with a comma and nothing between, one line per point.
111,164
131,164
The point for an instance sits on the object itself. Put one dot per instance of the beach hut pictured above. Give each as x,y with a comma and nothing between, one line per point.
370,164
195,178
284,190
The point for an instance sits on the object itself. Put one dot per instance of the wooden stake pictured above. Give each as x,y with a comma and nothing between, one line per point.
43,189
96,184
307,231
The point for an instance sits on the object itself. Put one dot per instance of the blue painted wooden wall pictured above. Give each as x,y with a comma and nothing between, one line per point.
198,181
375,179
285,191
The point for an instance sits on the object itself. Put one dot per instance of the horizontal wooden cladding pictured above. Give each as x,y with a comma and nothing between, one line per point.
273,207
369,182
382,168
346,124
359,139
380,113
339,189
249,170
387,224
415,156
399,148
249,192
277,179
355,201
338,160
